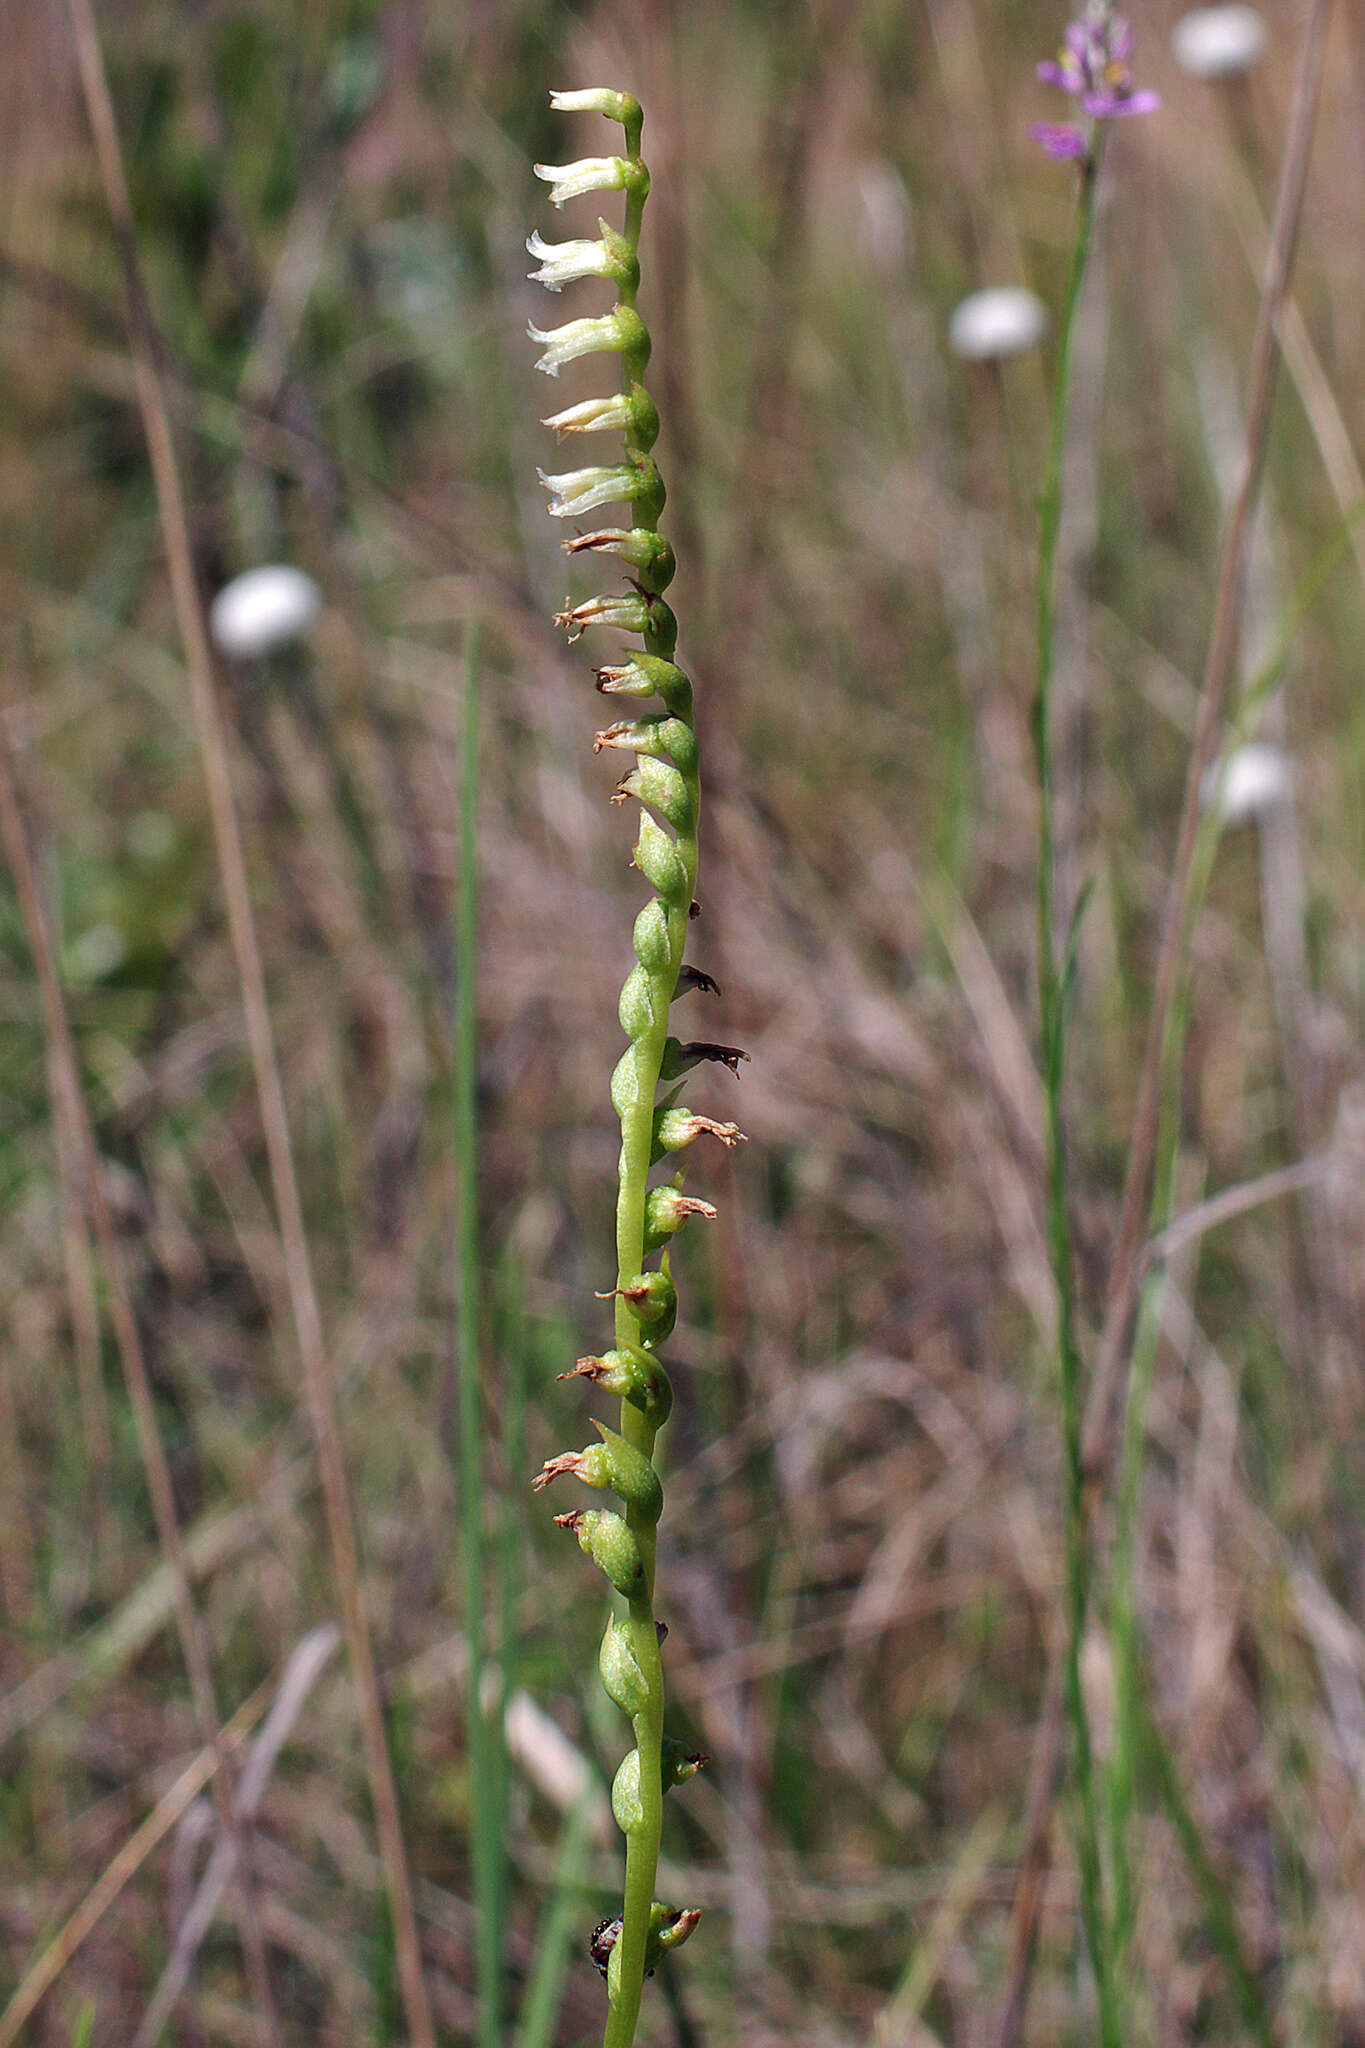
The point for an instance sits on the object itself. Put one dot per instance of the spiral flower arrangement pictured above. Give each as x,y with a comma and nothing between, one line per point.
664,781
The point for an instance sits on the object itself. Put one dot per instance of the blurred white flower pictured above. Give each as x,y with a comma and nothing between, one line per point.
1216,42
1252,780
95,953
262,609
1002,321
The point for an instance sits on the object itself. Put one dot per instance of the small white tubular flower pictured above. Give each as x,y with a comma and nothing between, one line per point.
1249,782
582,490
596,99
1218,42
593,415
589,174
1001,321
576,338
262,609
564,263
624,609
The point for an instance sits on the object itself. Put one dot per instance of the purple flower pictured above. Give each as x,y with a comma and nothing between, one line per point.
1092,65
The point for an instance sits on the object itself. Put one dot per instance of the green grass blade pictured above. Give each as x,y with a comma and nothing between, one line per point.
485,1731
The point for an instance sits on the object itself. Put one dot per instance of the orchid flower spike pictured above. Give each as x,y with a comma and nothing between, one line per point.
664,782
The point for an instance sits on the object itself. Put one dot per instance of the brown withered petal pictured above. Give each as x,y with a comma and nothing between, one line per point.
555,1468
698,1049
692,981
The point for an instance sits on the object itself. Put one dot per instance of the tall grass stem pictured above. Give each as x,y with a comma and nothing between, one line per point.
1054,952
483,1717
147,354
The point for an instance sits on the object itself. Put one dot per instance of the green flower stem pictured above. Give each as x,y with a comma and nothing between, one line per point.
1053,978
637,1140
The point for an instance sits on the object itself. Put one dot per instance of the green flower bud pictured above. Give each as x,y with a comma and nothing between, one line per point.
661,864
609,1541
633,1376
666,1211
623,1682
676,1128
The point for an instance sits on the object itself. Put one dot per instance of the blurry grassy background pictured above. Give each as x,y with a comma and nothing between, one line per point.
862,1551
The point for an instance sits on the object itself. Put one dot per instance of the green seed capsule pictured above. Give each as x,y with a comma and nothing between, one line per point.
661,864
632,1376
609,1541
669,1928
665,791
626,1804
636,1006
648,675
644,549
613,1466
653,1301
623,1470
675,1128
652,947
625,1082
666,1211
623,1681
661,739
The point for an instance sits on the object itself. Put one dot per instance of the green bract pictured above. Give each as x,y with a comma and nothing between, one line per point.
664,782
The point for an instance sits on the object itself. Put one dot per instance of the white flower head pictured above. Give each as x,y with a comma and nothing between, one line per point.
564,263
582,490
576,338
1218,42
1001,321
592,415
1249,782
596,99
263,609
589,174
